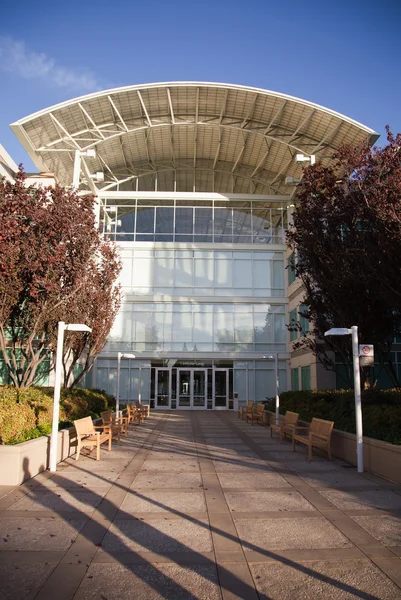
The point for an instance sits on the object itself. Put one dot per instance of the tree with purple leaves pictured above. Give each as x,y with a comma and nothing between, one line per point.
347,236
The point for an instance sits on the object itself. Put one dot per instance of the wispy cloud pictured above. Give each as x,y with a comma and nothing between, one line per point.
16,58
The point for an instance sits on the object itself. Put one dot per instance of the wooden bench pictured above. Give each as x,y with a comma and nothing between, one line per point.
144,408
287,424
117,424
134,414
88,436
256,415
244,410
317,435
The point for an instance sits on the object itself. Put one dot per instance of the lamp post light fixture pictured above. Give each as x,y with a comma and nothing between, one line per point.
302,158
120,355
353,331
275,357
57,385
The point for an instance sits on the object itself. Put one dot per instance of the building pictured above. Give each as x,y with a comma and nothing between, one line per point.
195,182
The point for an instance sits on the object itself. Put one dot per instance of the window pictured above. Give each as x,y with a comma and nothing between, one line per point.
305,378
291,268
294,380
303,320
293,323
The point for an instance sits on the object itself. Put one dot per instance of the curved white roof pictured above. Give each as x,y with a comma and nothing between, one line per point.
186,136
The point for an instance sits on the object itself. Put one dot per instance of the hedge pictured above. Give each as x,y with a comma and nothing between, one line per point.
26,414
381,410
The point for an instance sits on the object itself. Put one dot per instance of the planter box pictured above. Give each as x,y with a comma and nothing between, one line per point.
23,461
380,458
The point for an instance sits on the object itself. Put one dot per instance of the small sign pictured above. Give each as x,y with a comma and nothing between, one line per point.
366,355
366,350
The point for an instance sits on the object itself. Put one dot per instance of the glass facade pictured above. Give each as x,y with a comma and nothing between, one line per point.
187,327
203,273
203,299
206,221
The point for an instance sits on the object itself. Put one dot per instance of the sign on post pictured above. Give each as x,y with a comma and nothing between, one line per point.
366,355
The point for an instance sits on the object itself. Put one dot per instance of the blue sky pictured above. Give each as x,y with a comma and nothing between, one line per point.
345,55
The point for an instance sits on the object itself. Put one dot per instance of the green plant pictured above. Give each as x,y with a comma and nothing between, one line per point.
381,410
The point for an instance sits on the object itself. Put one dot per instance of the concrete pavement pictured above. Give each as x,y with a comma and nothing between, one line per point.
201,505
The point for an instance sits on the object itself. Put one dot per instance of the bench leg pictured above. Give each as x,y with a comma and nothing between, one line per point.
293,445
98,451
309,451
110,436
78,451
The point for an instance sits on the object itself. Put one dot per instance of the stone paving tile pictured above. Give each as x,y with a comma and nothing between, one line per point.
289,534
385,528
78,479
158,535
150,501
364,500
241,466
266,501
336,479
22,582
63,500
316,466
180,480
37,534
252,480
173,466
323,581
148,582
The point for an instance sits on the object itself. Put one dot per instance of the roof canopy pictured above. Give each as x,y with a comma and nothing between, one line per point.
187,136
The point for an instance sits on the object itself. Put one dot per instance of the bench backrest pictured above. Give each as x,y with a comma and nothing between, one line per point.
321,427
249,406
83,426
260,408
291,418
107,416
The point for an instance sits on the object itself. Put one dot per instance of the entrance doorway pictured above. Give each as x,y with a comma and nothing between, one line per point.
162,388
220,389
192,388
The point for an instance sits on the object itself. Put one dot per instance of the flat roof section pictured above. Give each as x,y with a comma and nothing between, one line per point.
187,136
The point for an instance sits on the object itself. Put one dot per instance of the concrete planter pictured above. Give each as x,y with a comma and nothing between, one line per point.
380,458
23,461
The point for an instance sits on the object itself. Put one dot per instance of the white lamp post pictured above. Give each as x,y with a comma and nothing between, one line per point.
275,357
57,385
357,388
120,355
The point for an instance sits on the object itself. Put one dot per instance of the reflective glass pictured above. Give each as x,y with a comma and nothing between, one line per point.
184,220
204,220
164,220
145,218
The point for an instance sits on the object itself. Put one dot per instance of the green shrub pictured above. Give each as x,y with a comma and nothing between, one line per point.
381,410
26,414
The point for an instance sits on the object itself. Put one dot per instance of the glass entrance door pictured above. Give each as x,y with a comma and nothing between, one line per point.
221,388
162,387
191,388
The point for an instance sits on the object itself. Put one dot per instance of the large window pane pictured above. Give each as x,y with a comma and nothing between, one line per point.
145,218
223,273
204,273
204,220
243,274
125,219
164,220
184,220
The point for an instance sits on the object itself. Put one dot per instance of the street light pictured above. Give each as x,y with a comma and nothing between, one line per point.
275,357
120,355
57,385
357,388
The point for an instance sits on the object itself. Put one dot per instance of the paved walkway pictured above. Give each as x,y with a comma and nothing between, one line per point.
201,505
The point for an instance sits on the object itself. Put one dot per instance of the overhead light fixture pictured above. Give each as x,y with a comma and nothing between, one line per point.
303,158
98,176
291,180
